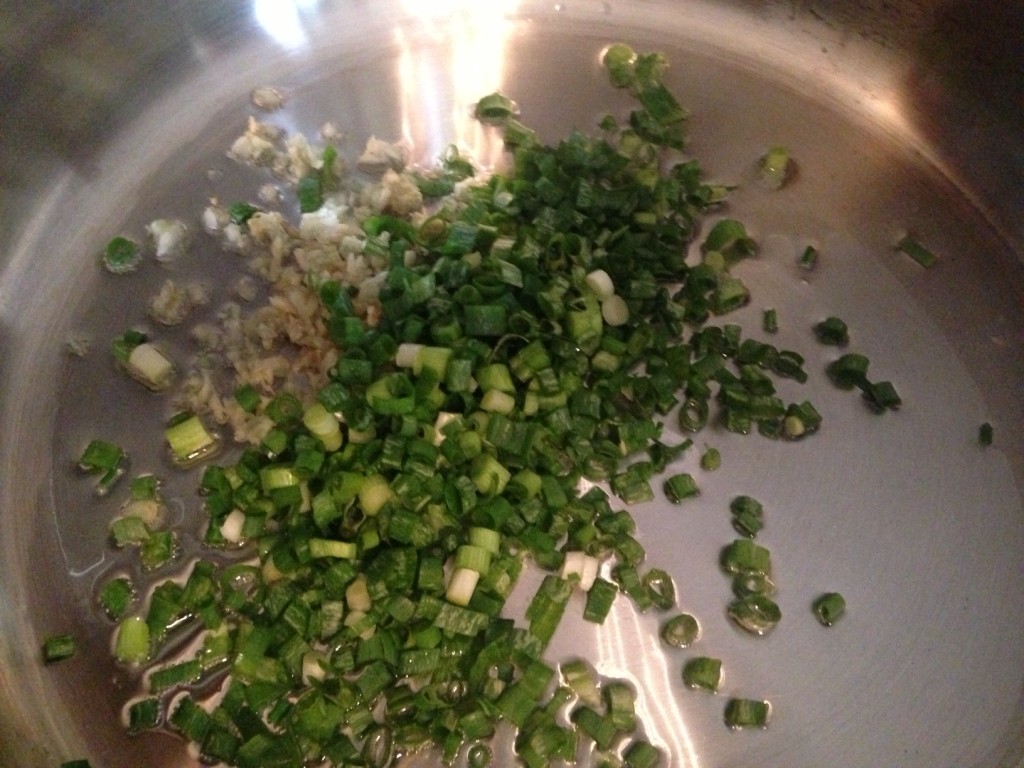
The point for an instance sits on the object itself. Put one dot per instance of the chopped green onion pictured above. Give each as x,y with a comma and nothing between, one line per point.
149,366
882,395
122,256
756,613
58,648
324,426
703,672
985,434
832,331
132,646
143,714
240,213
848,371
746,584
106,460
680,487
578,675
711,460
729,237
115,597
746,557
680,631
809,258
248,398
770,321
532,337
641,754
599,600
189,440
774,167
495,109
829,607
128,530
619,59
310,194
916,251
747,713
747,515
157,549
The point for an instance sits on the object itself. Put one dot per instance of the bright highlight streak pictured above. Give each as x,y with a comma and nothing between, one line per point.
475,36
282,20
631,648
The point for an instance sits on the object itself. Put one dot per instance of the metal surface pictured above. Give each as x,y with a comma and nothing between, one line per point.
901,116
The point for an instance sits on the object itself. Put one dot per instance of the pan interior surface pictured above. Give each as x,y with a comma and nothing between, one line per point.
905,513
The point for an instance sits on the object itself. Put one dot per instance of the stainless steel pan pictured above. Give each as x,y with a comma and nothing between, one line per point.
902,116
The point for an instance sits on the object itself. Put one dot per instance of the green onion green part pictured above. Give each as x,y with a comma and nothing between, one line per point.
747,713
703,672
58,648
829,607
680,487
122,256
680,631
755,613
809,258
912,248
985,434
774,167
832,331
116,596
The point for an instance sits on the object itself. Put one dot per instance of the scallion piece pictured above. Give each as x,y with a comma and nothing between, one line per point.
809,258
746,557
912,248
729,237
747,713
132,645
770,321
774,167
711,460
106,460
241,212
756,613
620,701
832,331
680,631
680,487
128,530
189,440
494,109
578,675
143,714
829,607
848,371
58,648
122,256
248,398
116,596
148,365
882,396
747,515
985,434
599,600
703,672
746,584
641,754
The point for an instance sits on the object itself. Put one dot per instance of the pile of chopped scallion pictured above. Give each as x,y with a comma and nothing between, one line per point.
549,327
